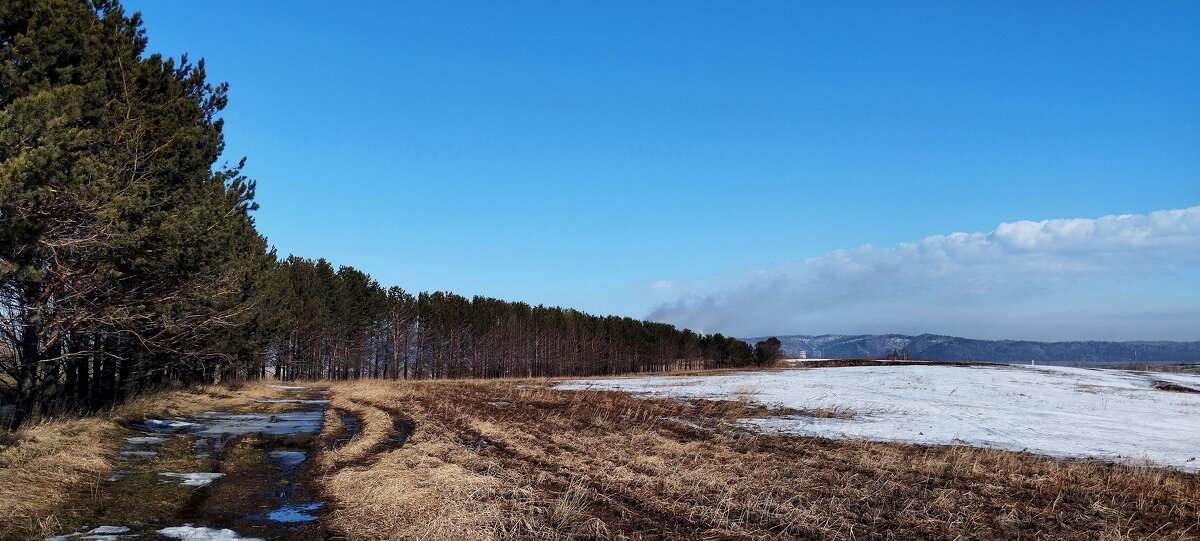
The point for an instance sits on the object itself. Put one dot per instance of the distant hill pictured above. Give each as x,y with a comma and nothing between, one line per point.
951,348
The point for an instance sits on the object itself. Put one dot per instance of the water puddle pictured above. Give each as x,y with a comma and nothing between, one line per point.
192,533
216,476
288,509
193,479
350,429
105,533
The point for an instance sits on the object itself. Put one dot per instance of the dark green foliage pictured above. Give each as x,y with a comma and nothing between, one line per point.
342,324
768,351
126,257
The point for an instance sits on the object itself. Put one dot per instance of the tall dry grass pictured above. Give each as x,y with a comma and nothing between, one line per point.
510,460
48,463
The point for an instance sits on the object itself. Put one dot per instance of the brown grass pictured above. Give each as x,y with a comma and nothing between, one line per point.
47,464
470,460
1179,368
549,464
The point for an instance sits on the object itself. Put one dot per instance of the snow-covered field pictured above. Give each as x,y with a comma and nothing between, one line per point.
1064,412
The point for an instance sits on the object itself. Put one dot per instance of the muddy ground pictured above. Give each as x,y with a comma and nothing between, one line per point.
244,473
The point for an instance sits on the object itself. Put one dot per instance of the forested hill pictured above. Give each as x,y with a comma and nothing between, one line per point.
130,259
950,348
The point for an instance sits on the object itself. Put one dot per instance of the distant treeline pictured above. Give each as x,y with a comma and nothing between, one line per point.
129,257
342,324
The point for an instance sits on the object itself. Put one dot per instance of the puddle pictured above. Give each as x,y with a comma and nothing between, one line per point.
193,479
220,427
287,401
126,455
103,533
288,459
217,476
294,512
201,448
351,428
288,510
192,533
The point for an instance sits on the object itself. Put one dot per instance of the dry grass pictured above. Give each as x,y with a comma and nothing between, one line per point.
378,428
48,463
502,460
1178,368
549,464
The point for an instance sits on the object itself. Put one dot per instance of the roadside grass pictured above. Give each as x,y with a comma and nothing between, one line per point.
512,459
1180,368
517,459
53,464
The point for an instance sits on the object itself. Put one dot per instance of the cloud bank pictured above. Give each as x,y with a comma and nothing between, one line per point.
1115,277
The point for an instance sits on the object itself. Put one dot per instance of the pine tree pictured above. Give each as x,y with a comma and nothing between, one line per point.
120,243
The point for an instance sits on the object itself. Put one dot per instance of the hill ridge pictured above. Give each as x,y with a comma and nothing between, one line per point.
940,347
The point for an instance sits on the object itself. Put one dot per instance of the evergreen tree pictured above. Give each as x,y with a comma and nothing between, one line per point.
122,249
768,352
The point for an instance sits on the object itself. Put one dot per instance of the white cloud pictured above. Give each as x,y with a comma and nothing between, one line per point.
950,283
662,284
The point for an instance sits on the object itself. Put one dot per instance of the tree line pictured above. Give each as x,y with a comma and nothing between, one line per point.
340,323
129,256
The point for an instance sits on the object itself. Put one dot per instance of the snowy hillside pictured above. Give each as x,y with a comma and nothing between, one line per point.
1064,412
951,348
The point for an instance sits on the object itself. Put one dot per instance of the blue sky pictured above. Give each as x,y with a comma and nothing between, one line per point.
645,158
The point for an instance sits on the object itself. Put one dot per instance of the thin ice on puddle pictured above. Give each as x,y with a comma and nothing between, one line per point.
101,533
220,427
288,459
126,455
200,533
287,401
194,479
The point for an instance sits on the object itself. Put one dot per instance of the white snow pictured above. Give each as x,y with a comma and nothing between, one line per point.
1063,412
194,479
194,533
102,533
166,425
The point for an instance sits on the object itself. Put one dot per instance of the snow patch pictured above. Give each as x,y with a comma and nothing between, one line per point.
1116,415
194,479
194,533
166,425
